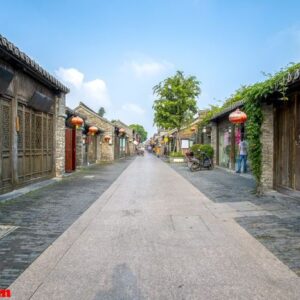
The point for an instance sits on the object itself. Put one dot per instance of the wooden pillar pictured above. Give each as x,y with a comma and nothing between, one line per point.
14,141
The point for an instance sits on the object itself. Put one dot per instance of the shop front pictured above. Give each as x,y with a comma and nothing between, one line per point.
227,140
229,136
123,146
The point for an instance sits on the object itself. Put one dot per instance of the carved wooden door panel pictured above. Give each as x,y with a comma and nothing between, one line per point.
284,161
5,146
35,144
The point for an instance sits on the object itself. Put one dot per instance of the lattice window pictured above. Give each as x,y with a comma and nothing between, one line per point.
5,127
27,130
32,131
50,133
21,130
38,132
45,132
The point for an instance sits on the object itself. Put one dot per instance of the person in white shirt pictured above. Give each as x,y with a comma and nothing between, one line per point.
243,152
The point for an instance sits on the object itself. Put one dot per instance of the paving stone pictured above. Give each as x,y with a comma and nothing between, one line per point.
153,236
273,219
43,215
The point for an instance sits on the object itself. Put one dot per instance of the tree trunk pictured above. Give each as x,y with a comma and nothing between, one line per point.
178,148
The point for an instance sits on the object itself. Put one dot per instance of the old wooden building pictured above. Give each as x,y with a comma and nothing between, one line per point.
100,146
32,119
225,137
123,140
280,138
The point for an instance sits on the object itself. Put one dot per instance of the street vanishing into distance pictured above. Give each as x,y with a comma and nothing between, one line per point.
150,150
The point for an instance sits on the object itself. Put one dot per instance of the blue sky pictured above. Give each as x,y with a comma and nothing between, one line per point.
111,53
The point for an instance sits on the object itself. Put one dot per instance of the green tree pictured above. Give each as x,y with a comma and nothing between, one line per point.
101,111
176,102
139,129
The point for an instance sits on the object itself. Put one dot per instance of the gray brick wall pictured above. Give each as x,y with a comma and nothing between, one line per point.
267,140
105,150
79,149
60,135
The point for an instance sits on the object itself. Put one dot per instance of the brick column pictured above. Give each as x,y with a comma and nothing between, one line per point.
99,148
79,149
60,135
112,145
214,139
267,140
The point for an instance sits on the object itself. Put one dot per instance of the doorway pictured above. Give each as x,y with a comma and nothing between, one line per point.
70,160
287,144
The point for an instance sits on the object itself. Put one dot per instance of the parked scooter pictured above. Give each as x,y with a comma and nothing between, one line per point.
200,162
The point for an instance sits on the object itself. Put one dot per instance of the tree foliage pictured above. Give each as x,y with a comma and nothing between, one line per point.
176,101
101,111
206,148
139,129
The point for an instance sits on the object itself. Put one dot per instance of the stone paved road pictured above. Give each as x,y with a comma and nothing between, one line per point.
43,215
278,229
152,235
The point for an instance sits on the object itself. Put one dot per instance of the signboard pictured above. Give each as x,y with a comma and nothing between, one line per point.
185,144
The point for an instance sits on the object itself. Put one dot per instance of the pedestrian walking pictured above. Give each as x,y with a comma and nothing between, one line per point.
243,152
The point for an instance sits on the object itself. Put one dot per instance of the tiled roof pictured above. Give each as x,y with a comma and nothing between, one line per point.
30,64
82,105
228,109
120,123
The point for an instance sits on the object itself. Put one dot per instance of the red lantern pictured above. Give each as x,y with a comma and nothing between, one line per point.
93,130
193,129
77,121
237,117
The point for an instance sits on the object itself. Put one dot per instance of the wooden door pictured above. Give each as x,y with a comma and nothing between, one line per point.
5,146
297,144
69,150
117,147
35,144
287,144
284,138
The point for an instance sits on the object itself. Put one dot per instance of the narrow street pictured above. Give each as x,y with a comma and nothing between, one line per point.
154,235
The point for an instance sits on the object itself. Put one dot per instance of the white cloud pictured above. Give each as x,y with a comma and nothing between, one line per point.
150,68
93,93
131,107
70,76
